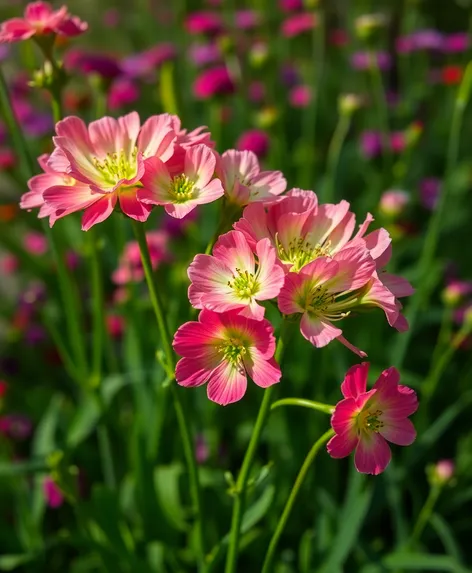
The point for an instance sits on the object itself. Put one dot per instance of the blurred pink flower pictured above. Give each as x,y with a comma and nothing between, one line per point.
371,144
212,82
209,23
202,450
257,91
111,18
16,426
254,140
123,92
40,19
366,420
300,96
393,202
444,471
7,158
86,62
430,188
247,19
204,54
145,64
455,291
454,43
115,324
298,24
291,5
9,264
233,279
365,60
35,243
397,141
223,349
52,493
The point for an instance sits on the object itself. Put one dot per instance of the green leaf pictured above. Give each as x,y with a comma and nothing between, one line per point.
258,509
166,482
423,562
44,441
155,556
446,535
11,562
84,422
20,468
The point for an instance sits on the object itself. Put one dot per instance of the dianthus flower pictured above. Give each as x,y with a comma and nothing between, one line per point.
223,349
231,279
365,420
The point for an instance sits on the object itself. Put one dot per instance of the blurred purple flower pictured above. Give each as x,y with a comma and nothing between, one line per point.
458,42
111,18
16,426
289,75
213,81
428,40
371,143
204,54
104,65
52,493
35,243
202,451
34,335
298,24
257,91
254,140
123,91
209,23
430,189
144,64
176,227
247,19
365,60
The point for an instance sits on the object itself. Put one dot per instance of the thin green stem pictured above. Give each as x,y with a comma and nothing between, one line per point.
424,515
319,406
106,456
334,153
241,482
182,418
98,319
434,228
56,105
266,568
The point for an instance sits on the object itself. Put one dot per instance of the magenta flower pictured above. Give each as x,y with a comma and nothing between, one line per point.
102,163
243,180
180,188
371,144
35,243
204,54
430,189
52,493
145,64
213,81
223,349
455,43
297,24
231,279
40,19
123,91
366,60
300,96
324,291
87,63
209,23
365,420
254,140
247,19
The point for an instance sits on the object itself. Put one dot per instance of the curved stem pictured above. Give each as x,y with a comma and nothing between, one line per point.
434,227
334,153
98,319
266,568
424,515
182,419
319,406
241,483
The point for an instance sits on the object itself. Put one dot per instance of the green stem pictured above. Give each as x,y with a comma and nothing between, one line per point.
319,406
434,227
228,213
334,153
182,419
106,456
425,515
266,568
56,106
98,318
241,483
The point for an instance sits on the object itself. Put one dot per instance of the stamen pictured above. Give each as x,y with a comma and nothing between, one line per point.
117,165
244,284
301,251
182,189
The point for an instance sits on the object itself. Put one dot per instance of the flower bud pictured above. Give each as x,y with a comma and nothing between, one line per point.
393,203
349,103
258,54
368,25
440,473
455,292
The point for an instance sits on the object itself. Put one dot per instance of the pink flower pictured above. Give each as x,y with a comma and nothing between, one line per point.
52,493
254,140
371,143
430,189
99,165
40,19
204,54
454,43
204,23
365,420
122,92
185,138
130,268
300,96
180,188
247,19
223,349
394,202
145,64
213,81
366,60
86,62
35,243
243,180
298,24
231,279
324,291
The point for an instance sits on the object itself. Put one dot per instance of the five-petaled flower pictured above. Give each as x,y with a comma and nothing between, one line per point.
366,419
223,349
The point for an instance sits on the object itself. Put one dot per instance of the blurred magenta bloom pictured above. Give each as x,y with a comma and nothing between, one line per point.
430,188
39,20
371,144
212,82
297,24
4,52
223,349
7,158
338,37
36,124
111,17
16,426
254,140
365,60
300,96
204,54
397,141
177,227
205,22
456,291
9,264
34,335
79,60
202,450
144,64
130,267
115,324
291,5
366,420
454,43
257,91
247,19
35,243
122,92
393,202
52,493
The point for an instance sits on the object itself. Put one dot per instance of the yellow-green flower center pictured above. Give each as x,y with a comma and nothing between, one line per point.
117,166
244,284
369,421
300,252
182,189
233,350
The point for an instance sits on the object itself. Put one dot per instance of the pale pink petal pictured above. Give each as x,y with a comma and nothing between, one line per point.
397,285
211,192
156,183
376,294
351,347
234,166
290,228
398,431
292,294
372,454
355,381
253,310
106,136
356,267
267,183
325,220
200,165
129,126
270,273
191,372
157,137
70,197
227,384
343,232
263,372
131,206
233,250
341,445
378,242
318,331
99,211
364,226
253,224
56,163
195,296
180,210
31,199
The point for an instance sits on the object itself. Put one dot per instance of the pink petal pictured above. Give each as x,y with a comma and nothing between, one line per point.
343,232
356,267
157,137
56,163
253,310
372,454
200,339
341,445
156,183
70,197
351,347
227,384
376,294
344,416
211,192
267,183
179,211
15,30
200,165
355,381
378,243
195,296
131,206
317,331
253,224
106,136
288,300
399,286
38,11
99,211
263,372
271,275
190,372
364,226
398,431
325,220
232,250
